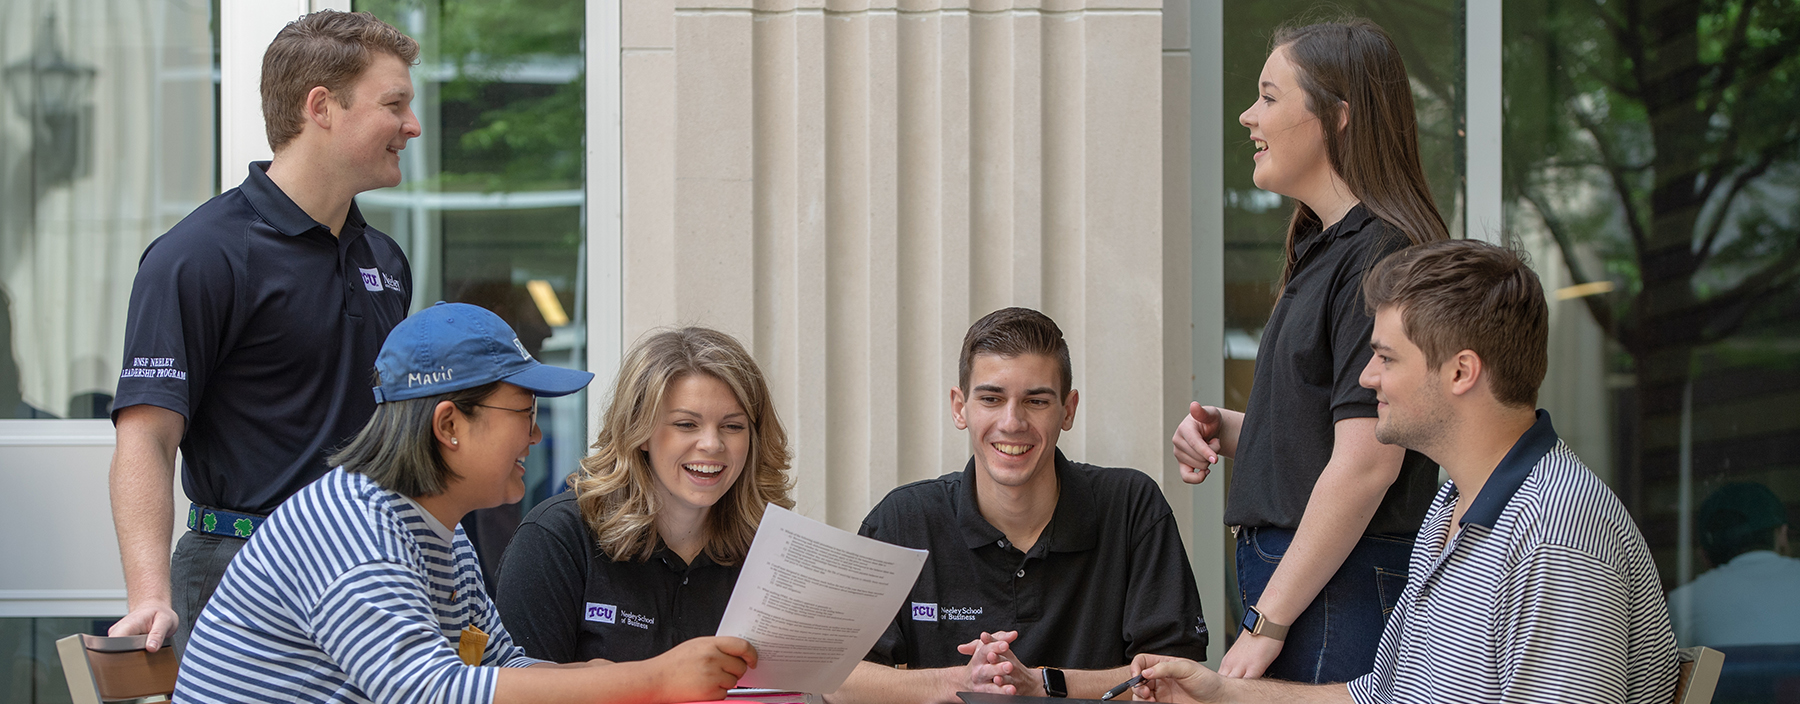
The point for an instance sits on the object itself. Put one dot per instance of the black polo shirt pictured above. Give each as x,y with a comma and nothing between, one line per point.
1107,579
256,324
1308,365
565,600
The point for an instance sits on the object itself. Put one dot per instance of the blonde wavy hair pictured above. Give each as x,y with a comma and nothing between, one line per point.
616,487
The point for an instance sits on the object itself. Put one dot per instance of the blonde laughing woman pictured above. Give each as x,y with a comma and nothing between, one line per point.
643,553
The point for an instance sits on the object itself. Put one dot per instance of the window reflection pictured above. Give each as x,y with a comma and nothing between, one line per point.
106,140
35,674
491,211
1651,168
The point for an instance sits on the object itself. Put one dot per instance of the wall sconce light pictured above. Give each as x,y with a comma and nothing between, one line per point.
53,94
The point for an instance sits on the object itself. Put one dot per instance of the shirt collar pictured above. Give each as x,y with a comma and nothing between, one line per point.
676,564
437,527
1352,223
281,212
1072,527
1755,556
1506,479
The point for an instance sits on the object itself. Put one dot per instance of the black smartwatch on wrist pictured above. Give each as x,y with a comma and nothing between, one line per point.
1054,684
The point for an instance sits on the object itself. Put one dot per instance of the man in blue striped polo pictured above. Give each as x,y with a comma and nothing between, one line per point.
1528,581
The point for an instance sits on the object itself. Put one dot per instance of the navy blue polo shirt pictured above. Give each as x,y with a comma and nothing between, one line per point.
261,329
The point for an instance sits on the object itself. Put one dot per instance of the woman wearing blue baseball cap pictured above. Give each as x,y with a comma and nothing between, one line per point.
358,589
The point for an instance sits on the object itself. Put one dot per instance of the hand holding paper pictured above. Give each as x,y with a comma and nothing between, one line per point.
813,599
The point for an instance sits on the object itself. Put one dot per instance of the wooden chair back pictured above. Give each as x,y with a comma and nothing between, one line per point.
101,669
1699,675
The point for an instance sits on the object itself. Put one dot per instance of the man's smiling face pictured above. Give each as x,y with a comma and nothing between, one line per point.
1412,402
1014,414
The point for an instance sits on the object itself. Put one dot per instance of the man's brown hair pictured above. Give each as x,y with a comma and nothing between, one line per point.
1010,332
1460,295
326,48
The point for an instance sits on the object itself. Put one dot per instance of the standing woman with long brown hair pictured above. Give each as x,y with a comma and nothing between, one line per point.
1323,513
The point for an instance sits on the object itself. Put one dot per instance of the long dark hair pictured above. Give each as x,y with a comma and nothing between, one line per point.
1353,61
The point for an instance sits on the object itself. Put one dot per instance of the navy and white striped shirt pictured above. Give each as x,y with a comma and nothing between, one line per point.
348,593
1546,594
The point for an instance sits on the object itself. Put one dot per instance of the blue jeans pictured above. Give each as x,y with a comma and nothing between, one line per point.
1334,639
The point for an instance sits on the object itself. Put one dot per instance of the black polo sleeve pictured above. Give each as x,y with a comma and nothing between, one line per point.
543,582
178,323
1162,605
1351,326
890,648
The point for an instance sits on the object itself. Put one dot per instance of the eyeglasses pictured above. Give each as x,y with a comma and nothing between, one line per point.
533,409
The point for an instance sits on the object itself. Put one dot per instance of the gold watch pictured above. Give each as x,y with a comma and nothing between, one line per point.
1256,622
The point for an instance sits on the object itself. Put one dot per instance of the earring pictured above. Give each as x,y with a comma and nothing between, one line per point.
453,441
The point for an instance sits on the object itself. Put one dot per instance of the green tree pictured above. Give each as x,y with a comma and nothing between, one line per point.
504,129
531,140
1658,142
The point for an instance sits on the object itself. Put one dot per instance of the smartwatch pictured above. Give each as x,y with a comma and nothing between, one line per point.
1054,684
1255,622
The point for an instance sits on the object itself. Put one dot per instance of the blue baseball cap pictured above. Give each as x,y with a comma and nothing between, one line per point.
455,346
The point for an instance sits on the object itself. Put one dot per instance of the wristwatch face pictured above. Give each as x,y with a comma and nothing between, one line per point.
1255,622
1054,685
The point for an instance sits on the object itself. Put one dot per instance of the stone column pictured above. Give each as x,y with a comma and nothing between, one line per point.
846,185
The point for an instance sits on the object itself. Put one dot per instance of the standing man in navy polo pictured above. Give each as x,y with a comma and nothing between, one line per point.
255,321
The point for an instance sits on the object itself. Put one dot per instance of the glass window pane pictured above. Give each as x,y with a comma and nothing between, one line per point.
33,673
492,208
1660,195
107,139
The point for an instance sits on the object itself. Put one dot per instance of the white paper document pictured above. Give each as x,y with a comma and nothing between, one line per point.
813,599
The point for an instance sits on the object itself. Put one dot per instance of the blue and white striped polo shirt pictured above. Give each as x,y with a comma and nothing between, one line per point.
1546,594
349,593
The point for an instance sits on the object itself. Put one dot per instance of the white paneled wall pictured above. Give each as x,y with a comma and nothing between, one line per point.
846,186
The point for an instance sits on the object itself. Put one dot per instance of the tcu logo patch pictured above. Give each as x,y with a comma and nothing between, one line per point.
924,612
600,613
371,278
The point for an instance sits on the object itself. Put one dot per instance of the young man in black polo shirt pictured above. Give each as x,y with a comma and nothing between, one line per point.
1036,563
255,321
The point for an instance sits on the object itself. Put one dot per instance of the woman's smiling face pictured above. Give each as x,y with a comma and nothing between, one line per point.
490,461
701,441
1290,144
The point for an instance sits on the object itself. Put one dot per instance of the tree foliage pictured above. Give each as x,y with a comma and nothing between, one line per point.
506,126
1656,140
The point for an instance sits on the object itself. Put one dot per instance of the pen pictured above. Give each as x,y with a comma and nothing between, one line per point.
1127,684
